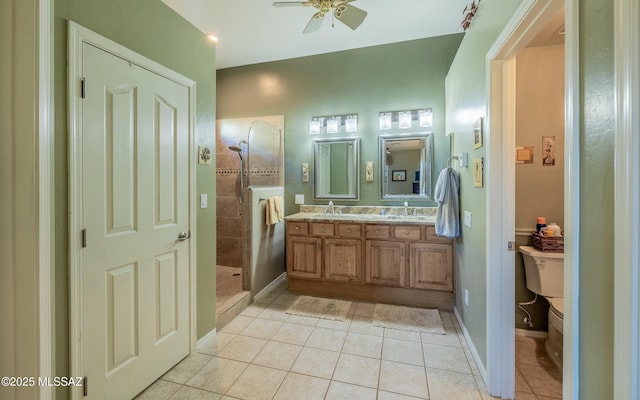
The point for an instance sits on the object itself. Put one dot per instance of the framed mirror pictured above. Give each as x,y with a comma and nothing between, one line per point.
406,163
335,172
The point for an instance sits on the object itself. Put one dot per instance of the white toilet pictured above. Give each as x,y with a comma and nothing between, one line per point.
544,274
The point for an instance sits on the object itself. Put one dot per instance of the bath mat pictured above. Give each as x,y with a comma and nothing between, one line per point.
408,319
320,308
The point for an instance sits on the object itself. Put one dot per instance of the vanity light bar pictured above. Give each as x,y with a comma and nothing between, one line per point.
405,119
333,124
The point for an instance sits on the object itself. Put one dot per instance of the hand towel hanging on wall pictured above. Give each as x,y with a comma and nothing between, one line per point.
279,208
274,210
270,211
447,194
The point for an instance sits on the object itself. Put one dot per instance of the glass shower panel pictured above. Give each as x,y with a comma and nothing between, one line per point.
264,161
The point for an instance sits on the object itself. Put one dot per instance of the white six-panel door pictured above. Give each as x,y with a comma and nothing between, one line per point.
135,191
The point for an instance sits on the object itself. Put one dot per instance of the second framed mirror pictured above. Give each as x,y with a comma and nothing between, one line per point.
406,166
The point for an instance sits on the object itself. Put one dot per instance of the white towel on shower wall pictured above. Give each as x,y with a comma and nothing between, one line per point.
274,210
270,211
279,208
447,194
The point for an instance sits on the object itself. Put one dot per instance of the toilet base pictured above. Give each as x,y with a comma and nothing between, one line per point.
553,346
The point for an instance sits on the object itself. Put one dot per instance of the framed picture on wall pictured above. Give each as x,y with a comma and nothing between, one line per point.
399,175
548,151
478,166
477,134
524,155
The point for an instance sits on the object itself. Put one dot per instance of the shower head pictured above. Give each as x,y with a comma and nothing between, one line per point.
238,148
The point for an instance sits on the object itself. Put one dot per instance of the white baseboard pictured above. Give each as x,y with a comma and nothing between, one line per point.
531,334
206,337
264,292
481,368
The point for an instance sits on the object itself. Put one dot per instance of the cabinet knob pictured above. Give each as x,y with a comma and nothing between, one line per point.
297,228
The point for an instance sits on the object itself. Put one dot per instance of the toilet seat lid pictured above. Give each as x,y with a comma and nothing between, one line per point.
557,304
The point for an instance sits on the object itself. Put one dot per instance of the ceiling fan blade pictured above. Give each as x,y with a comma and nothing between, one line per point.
314,23
349,15
290,3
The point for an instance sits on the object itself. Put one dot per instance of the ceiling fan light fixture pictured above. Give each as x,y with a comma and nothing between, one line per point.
342,11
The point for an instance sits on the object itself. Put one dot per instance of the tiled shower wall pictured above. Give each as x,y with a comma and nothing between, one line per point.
265,169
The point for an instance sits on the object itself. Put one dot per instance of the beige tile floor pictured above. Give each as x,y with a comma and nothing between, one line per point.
537,378
265,353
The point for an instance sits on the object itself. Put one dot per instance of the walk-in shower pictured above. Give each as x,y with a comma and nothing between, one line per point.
249,165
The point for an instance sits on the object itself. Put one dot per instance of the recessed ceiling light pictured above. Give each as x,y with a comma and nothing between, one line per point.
213,37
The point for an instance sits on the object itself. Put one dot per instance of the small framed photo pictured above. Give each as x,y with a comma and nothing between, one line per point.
477,133
524,155
548,151
478,166
399,175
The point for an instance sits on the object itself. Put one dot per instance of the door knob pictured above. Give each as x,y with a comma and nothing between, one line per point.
182,236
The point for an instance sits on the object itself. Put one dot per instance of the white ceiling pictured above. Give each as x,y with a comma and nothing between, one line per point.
253,31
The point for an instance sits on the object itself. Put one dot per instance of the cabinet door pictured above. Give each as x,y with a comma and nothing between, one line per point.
431,266
385,262
304,257
343,260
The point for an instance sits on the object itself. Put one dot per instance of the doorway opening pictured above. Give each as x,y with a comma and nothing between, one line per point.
529,20
539,196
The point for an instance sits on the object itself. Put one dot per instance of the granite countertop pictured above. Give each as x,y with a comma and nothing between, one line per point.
375,218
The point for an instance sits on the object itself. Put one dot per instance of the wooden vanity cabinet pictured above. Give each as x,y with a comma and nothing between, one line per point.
343,260
343,254
397,264
304,253
430,266
324,250
385,262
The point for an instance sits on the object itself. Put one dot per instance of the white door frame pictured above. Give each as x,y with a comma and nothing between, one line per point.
46,168
627,201
527,21
77,36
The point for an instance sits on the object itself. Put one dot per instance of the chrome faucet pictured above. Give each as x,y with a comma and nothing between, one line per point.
332,210
406,209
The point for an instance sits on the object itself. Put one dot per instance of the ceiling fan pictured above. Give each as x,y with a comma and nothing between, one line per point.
343,11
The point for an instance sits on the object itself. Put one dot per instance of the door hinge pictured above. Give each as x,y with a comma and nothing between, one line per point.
511,246
83,92
84,238
85,390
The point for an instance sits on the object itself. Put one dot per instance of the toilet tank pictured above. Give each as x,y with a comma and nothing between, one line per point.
544,272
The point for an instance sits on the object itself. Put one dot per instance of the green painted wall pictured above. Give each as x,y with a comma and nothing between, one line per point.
596,138
392,77
19,207
466,102
154,30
